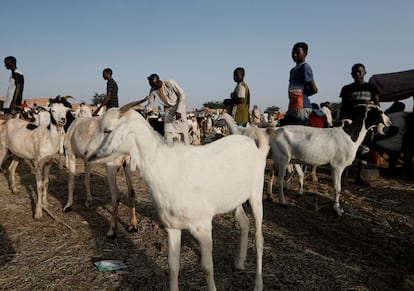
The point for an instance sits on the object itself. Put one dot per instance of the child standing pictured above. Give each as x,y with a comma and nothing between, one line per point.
301,86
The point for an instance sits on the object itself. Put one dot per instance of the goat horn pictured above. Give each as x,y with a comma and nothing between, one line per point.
346,122
41,108
68,97
380,129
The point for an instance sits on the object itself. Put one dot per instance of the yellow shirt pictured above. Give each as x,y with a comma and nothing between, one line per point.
242,111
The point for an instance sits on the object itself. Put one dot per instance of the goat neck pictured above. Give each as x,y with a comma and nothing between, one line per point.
130,124
147,141
357,130
56,135
232,125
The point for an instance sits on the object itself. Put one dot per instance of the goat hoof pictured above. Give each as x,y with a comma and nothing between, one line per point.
284,205
89,204
339,210
133,228
339,213
239,266
67,209
111,235
37,215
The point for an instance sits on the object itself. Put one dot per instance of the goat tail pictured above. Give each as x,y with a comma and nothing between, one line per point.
262,141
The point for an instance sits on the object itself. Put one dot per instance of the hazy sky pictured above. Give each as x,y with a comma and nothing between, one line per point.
63,46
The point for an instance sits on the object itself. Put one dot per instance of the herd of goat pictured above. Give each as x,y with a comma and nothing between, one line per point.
122,137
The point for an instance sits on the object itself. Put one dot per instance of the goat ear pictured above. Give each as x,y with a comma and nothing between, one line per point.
346,122
42,108
128,106
133,164
386,120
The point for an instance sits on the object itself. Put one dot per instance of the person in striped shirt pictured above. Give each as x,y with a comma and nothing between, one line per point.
111,98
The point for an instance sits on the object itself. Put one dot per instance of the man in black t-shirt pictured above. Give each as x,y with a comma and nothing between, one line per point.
358,92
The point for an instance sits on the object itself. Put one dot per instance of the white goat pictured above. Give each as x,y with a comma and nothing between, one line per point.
194,131
39,145
251,132
186,200
75,143
335,146
42,118
82,111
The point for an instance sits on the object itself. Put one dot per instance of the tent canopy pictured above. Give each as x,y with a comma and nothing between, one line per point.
394,86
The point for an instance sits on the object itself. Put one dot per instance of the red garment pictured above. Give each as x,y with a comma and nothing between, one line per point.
316,120
295,99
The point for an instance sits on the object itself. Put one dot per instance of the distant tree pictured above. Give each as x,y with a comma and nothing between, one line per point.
214,104
272,109
98,98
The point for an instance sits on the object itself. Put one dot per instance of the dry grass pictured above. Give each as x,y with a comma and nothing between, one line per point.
306,246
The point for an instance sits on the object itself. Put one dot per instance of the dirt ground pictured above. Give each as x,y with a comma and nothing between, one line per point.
306,246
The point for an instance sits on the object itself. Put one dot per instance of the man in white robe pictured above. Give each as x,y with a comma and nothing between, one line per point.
172,96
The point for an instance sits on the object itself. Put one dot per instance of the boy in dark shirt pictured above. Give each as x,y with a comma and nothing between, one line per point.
111,98
358,92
